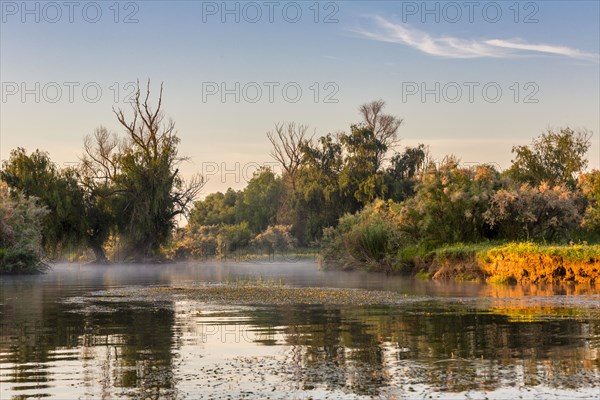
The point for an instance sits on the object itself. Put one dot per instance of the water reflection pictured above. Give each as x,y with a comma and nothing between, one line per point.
60,340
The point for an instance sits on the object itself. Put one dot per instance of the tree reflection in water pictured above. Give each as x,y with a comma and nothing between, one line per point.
111,347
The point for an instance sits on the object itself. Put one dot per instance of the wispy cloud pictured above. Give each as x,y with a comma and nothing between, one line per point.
544,48
454,47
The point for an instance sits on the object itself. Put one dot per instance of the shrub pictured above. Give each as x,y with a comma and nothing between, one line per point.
194,242
449,205
277,237
534,213
20,233
369,239
233,237
589,184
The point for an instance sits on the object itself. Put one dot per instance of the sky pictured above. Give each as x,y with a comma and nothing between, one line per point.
468,78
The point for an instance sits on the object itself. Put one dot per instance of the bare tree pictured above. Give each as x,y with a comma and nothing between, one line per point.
137,178
100,159
158,140
287,141
384,126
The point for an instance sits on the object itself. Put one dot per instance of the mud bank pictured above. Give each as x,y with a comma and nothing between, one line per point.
517,263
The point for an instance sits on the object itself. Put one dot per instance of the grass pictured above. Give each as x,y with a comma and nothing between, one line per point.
573,253
488,250
462,251
509,263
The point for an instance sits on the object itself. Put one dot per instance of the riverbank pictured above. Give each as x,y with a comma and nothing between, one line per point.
500,263
517,263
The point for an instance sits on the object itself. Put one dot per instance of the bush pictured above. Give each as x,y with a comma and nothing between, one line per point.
194,243
277,237
589,184
540,213
20,233
368,239
233,237
206,241
449,205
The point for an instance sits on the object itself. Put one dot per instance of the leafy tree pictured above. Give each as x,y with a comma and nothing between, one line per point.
35,175
366,146
209,240
259,201
401,176
554,157
216,209
317,201
194,242
233,237
277,237
360,180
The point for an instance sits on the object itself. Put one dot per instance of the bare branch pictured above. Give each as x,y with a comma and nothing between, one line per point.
287,144
384,126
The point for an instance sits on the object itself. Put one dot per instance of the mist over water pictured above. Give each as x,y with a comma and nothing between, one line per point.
92,331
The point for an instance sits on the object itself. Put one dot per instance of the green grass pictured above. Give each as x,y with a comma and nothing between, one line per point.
539,261
573,253
462,251
487,250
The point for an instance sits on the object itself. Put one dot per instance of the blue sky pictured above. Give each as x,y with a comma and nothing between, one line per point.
542,56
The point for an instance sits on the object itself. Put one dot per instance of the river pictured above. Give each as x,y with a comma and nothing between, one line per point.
86,332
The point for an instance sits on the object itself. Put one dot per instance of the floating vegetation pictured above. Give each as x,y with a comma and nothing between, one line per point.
267,293
254,281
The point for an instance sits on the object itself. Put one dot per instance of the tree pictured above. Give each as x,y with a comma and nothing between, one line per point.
360,180
35,175
148,178
99,168
216,209
383,126
260,200
406,167
589,184
317,202
366,146
554,157
287,142
276,237
449,204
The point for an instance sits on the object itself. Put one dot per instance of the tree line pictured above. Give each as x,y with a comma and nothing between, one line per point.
341,188
355,193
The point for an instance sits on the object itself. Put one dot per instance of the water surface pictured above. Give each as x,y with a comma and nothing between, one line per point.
99,332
